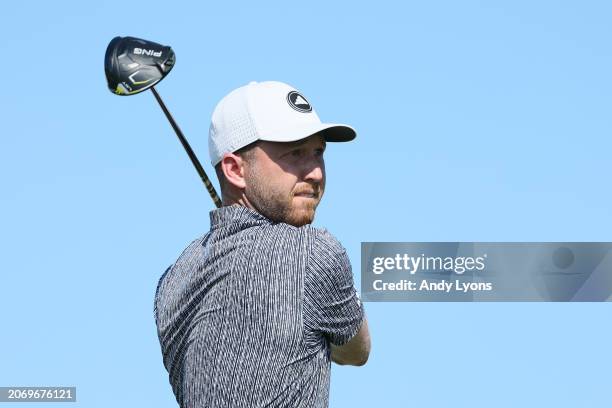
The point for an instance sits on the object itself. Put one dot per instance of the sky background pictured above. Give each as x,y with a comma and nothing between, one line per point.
476,121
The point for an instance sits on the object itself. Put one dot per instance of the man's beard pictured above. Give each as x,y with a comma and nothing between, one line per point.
279,206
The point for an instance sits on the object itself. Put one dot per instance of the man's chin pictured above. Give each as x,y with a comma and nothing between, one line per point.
301,218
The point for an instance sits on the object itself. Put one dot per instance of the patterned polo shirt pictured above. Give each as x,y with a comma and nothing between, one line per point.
246,314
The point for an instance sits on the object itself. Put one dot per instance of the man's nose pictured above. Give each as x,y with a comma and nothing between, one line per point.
314,172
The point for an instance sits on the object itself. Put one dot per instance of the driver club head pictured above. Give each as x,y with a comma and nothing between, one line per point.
133,65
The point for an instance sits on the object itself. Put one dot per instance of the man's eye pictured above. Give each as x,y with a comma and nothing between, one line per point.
319,152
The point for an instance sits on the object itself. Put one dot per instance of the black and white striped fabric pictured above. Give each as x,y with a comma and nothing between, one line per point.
246,313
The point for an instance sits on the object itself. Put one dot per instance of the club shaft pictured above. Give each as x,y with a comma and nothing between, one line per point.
190,153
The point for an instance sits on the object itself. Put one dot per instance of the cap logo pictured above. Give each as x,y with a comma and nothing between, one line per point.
298,102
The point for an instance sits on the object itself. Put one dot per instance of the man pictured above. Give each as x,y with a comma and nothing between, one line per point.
251,314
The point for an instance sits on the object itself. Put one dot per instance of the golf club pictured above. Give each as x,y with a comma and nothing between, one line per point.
133,65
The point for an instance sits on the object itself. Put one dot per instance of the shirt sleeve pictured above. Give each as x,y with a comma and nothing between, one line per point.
332,307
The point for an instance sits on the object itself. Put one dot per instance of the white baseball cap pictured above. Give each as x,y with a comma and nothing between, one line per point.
271,111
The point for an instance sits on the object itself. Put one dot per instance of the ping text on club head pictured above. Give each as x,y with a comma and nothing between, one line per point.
149,53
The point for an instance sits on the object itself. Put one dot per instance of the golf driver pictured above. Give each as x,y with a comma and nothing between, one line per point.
133,65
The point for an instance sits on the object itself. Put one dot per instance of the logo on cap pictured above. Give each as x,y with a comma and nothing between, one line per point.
298,102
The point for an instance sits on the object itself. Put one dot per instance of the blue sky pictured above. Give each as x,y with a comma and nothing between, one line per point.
476,121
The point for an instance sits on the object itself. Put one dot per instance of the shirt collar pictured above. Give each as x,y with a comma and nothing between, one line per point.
243,216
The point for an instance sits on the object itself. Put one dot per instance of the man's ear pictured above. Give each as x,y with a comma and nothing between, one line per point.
232,166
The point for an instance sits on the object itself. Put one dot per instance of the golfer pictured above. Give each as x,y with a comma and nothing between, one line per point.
252,313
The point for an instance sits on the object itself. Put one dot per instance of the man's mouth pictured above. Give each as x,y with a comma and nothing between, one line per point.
307,195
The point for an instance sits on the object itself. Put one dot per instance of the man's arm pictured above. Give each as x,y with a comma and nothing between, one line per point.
356,351
332,306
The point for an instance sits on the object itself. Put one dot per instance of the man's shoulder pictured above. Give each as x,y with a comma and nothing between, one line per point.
326,255
188,255
324,242
195,245
320,241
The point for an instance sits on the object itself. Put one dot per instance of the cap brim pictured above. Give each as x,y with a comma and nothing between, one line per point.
332,132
